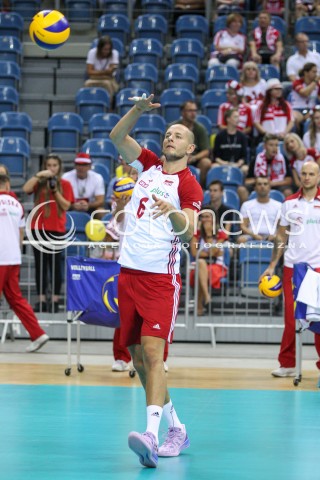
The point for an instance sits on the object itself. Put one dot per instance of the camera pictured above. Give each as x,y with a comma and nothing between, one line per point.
52,183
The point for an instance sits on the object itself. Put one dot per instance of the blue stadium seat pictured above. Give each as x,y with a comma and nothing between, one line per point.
220,24
171,101
15,124
103,170
144,50
123,104
80,10
162,7
181,75
195,171
230,198
10,74
314,46
65,130
116,43
150,145
150,126
26,8
274,194
277,22
308,25
10,49
141,75
101,150
218,75
187,51
253,262
15,154
9,99
90,101
151,26
11,24
231,177
115,6
193,26
206,197
79,220
101,124
268,71
115,25
206,122
210,102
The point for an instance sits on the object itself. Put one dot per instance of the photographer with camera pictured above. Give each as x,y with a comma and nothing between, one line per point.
52,198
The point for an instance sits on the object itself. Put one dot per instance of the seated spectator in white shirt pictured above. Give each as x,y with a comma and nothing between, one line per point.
305,92
253,86
229,44
260,215
298,154
265,43
272,164
301,57
274,114
311,138
102,65
88,186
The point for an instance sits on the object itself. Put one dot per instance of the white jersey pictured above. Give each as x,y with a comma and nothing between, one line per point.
11,220
150,244
263,217
87,188
303,217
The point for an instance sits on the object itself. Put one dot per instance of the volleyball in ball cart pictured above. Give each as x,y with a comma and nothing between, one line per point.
123,186
49,29
270,287
95,230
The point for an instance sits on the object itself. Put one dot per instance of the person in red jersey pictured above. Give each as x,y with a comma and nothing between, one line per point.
162,213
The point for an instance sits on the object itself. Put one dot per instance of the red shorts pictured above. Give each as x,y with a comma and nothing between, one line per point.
148,305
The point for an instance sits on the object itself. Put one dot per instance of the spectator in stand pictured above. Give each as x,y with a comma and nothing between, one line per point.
225,7
273,7
274,114
88,186
102,66
306,92
235,101
265,44
260,215
254,87
305,8
269,163
230,145
311,138
211,260
298,154
223,215
229,44
200,156
301,57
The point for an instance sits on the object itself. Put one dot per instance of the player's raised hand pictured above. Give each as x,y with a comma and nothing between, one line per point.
144,103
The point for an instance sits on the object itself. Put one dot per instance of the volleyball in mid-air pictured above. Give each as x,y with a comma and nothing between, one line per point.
49,29
95,230
271,286
123,186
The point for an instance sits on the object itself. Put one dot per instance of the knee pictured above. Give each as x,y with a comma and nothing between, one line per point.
138,364
233,62
152,357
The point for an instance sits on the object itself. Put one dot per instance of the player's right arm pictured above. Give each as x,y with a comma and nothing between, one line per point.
128,148
278,250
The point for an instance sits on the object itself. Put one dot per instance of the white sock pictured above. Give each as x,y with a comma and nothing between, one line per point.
154,413
171,415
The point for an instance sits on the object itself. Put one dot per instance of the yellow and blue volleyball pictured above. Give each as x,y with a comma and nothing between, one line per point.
270,287
49,29
123,186
95,230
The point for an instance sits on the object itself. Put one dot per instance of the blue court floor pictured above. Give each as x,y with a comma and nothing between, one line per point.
80,433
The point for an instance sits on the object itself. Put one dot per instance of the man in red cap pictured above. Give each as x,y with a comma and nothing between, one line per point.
88,186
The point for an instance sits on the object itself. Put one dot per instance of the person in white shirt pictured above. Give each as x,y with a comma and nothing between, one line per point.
301,57
260,215
299,231
161,214
311,138
12,224
88,186
102,66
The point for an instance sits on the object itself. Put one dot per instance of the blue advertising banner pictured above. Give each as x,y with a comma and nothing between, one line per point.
92,287
300,309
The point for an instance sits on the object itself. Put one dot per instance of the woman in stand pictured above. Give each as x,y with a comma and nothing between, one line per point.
52,197
253,86
298,154
311,138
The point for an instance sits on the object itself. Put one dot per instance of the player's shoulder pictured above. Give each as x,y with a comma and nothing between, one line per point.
294,196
